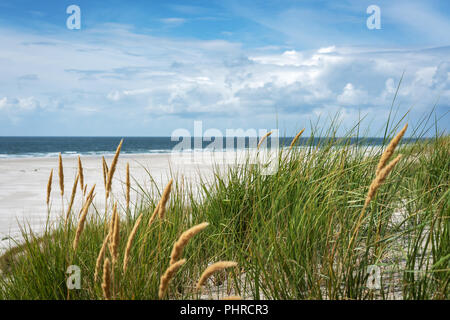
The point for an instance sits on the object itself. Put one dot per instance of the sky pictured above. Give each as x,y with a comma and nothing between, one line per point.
147,68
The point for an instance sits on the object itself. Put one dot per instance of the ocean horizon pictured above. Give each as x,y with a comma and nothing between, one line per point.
51,146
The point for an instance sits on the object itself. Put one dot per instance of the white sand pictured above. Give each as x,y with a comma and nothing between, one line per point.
23,186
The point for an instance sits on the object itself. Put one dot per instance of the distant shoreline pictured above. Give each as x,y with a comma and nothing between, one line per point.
50,147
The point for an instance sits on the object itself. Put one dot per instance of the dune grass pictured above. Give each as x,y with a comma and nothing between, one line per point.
301,233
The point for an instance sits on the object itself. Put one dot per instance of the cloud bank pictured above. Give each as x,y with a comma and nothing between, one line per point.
112,80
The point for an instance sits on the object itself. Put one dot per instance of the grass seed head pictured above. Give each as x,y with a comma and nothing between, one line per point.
61,175
105,171
212,269
127,195
130,243
49,186
153,216
167,276
113,169
100,256
379,179
80,172
115,236
263,138
390,150
164,199
294,141
83,219
106,284
184,239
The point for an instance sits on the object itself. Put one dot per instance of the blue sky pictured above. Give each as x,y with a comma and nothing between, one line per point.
149,67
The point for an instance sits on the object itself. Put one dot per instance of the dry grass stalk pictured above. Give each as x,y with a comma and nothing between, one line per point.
83,218
214,268
61,175
264,138
113,221
376,183
106,241
115,236
89,196
130,242
294,141
379,179
153,217
112,170
167,276
72,197
164,199
128,186
390,150
100,256
106,284
184,239
49,186
105,170
80,172
381,174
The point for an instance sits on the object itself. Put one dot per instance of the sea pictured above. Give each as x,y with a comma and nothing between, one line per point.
20,147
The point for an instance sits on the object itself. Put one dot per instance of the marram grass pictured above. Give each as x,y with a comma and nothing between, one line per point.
49,187
126,257
82,220
167,276
215,267
309,231
109,178
81,173
184,239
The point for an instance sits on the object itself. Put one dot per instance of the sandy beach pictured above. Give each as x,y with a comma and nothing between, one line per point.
23,188
24,181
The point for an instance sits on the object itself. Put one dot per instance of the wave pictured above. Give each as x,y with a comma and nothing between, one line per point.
99,153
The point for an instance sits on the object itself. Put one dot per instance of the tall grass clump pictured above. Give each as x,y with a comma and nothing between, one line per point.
336,208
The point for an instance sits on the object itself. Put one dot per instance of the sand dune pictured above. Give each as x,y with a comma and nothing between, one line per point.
24,181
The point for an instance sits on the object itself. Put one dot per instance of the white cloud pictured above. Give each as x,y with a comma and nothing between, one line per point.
3,103
327,49
351,96
174,22
114,95
136,79
18,105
